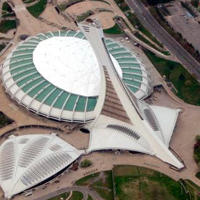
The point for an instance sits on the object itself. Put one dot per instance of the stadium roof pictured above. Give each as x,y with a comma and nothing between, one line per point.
123,121
26,161
68,64
55,74
141,123
120,135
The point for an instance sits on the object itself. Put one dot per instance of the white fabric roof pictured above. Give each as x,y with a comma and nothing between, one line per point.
94,33
68,62
27,160
167,118
106,139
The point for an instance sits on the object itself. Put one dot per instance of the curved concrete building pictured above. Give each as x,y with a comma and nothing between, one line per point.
124,121
56,74
63,76
26,161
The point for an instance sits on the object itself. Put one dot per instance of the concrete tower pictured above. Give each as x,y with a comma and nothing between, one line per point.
123,121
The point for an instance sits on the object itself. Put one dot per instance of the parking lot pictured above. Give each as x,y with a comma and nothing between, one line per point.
184,23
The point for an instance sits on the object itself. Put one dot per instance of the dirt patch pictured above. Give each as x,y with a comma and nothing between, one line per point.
106,18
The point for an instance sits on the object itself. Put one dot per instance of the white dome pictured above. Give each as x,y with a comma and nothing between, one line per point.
68,62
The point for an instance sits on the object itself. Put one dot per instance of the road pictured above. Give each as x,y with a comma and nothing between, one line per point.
154,27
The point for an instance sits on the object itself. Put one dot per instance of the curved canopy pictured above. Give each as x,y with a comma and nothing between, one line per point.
26,161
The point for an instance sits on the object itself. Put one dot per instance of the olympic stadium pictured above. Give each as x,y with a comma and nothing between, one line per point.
96,81
56,75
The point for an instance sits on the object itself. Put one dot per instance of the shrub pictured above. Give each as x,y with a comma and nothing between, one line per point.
6,25
2,46
104,1
84,15
6,7
85,163
188,82
195,3
4,120
113,30
198,175
197,150
7,10
198,138
28,1
66,5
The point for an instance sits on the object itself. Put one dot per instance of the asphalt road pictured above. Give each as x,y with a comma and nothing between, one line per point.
143,14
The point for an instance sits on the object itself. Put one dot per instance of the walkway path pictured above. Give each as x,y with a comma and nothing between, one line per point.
143,44
28,24
84,190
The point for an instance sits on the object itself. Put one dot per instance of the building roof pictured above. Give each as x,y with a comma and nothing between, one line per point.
167,118
26,161
53,74
121,135
67,63
143,126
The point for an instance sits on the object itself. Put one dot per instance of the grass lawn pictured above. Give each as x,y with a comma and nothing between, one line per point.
197,150
101,184
28,1
87,179
4,120
186,85
6,25
132,182
196,154
113,30
84,15
66,4
6,7
104,187
6,14
122,4
37,8
76,196
89,197
140,37
139,183
2,46
104,1
7,10
192,188
64,196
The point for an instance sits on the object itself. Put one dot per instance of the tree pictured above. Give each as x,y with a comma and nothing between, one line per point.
85,163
